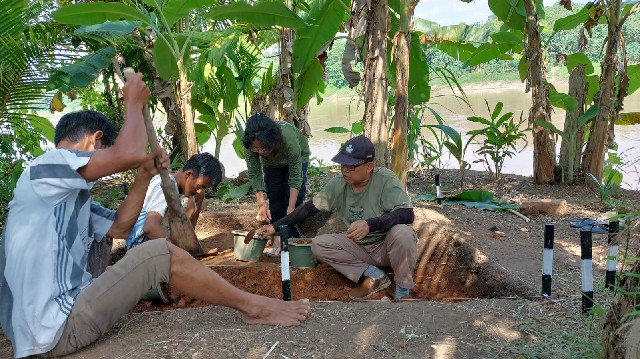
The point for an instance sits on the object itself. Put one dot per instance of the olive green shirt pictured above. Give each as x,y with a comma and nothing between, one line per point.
293,152
383,194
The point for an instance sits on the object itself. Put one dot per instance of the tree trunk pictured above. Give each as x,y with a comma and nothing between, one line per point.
399,146
356,27
544,153
573,140
593,157
183,88
375,119
262,103
284,90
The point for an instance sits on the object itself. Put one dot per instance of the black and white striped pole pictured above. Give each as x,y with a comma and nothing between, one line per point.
547,259
587,270
284,262
612,255
438,193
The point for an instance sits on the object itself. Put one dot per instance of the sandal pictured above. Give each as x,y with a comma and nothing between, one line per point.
272,252
579,223
596,228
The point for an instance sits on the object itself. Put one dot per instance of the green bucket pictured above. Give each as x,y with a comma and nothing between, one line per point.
300,253
250,252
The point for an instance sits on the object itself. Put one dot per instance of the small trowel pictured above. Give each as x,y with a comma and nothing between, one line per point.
249,236
252,232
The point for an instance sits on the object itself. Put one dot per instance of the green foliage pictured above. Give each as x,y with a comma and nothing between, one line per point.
262,14
96,13
238,147
227,192
111,199
85,70
324,19
510,12
333,66
581,340
427,153
457,147
317,172
501,135
561,100
628,118
572,21
308,83
10,171
419,88
357,129
611,177
29,50
480,199
476,198
323,22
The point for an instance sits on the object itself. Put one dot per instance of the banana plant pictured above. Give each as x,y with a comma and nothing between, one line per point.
174,41
457,148
570,136
29,50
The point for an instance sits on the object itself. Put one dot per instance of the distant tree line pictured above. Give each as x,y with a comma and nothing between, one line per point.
556,44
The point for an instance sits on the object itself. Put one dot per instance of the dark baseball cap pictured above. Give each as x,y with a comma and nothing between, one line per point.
356,151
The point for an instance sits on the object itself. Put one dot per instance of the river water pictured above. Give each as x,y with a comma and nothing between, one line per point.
342,111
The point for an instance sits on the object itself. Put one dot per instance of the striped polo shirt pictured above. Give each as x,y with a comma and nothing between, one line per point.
43,252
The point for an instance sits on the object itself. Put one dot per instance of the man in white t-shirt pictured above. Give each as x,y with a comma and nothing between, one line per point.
200,172
49,303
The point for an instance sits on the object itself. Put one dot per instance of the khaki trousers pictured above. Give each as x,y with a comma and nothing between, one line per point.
399,250
112,294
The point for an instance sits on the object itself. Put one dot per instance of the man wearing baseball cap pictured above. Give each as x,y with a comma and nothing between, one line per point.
378,214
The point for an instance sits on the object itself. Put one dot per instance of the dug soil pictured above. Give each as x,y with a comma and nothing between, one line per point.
477,287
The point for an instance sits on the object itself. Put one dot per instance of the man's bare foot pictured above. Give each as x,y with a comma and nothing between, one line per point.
277,312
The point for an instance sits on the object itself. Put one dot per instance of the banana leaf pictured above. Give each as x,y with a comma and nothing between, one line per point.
476,198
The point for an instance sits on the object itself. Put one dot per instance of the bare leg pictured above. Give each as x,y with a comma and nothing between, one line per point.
191,278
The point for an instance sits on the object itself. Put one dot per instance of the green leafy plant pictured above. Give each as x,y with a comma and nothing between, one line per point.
357,128
427,153
611,179
316,169
457,147
501,135
316,175
228,192
607,186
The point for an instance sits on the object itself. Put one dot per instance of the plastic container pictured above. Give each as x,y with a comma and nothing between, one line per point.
247,252
300,253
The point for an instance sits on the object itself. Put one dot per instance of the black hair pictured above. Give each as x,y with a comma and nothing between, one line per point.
74,126
204,164
264,129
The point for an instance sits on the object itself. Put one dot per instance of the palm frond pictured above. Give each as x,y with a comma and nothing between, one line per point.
30,48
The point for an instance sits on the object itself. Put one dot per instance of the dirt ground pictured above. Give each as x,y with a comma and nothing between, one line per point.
477,295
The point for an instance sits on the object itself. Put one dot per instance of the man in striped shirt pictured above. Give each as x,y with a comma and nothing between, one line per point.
49,303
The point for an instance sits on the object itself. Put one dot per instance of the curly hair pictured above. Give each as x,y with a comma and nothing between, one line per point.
205,164
264,129
74,126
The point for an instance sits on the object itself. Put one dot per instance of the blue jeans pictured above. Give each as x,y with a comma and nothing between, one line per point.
276,182
137,236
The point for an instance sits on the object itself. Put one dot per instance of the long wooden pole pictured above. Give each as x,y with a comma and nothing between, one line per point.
181,231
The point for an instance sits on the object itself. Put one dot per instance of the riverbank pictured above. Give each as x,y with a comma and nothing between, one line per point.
474,81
